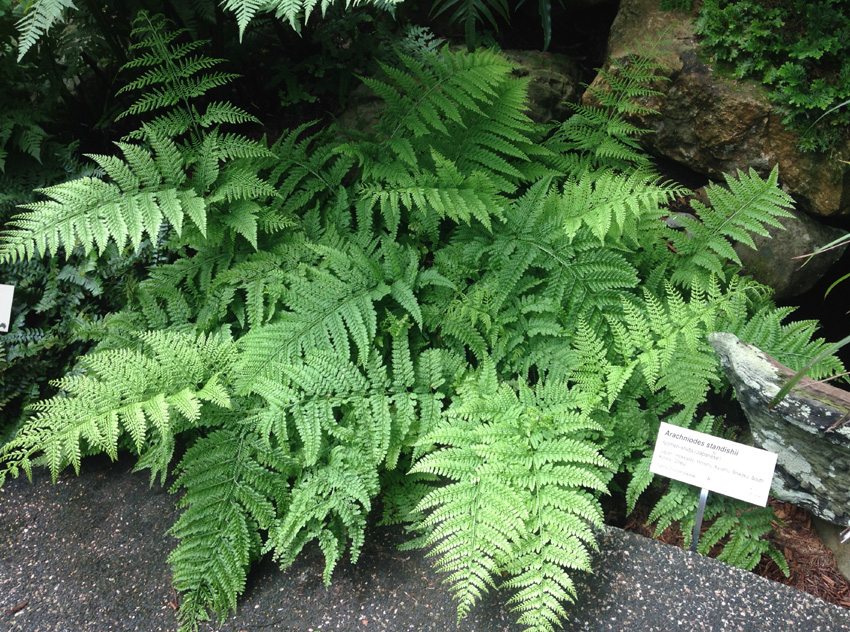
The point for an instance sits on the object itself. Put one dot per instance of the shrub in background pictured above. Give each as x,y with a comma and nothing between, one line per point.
800,49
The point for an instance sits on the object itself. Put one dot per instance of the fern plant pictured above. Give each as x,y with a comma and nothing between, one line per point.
477,323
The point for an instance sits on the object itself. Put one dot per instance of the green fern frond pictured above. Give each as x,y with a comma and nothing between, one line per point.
614,205
518,467
668,339
334,305
308,172
245,11
598,137
748,205
326,402
329,503
793,344
448,195
639,482
134,392
234,486
471,13
175,75
678,503
450,98
38,19
146,188
593,139
327,312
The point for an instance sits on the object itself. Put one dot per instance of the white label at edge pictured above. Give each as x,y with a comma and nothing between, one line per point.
6,292
718,465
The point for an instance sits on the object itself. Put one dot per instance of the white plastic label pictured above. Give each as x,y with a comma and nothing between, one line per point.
718,465
6,292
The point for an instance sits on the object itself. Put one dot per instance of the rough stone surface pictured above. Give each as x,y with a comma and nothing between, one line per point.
89,555
553,83
807,429
716,125
773,261
830,535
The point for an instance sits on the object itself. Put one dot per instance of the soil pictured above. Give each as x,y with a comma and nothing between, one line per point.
811,563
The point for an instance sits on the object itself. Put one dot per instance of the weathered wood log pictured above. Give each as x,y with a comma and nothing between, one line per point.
809,429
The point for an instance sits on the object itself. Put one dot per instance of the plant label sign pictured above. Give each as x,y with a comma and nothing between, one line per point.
718,465
6,292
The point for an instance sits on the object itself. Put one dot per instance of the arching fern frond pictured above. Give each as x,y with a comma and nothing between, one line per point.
748,204
40,16
519,467
144,189
154,390
234,485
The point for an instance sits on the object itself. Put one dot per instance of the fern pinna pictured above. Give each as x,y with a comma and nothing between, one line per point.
459,311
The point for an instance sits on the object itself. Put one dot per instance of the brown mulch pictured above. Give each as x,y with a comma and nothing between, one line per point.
812,565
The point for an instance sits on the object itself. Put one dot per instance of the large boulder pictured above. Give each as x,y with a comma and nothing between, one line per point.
717,125
808,429
776,263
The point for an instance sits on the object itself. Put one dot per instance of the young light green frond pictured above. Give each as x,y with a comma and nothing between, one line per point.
519,465
664,340
748,205
38,19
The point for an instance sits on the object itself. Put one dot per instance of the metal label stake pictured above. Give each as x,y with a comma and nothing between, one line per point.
703,496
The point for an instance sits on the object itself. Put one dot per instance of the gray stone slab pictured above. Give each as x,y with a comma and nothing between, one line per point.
89,555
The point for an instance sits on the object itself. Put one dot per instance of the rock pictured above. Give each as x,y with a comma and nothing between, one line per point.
808,429
716,125
773,262
553,84
830,535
